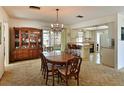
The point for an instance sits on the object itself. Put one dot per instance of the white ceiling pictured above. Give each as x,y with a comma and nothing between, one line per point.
67,14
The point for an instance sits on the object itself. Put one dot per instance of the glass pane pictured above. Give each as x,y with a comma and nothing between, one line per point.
80,37
45,38
33,39
51,39
25,39
17,39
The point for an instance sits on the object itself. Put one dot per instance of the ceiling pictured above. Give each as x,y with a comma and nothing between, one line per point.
67,14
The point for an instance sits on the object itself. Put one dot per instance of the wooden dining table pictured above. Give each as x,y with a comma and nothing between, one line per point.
57,58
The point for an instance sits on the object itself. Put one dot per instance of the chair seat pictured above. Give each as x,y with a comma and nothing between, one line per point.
62,70
55,67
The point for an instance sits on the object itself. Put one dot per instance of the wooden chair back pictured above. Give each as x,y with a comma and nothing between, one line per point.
73,66
44,63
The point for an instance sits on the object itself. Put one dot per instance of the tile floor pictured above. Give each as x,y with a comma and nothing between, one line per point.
27,73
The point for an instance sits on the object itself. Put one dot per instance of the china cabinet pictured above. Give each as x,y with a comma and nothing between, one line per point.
25,43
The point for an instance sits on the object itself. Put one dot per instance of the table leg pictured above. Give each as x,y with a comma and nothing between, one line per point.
53,73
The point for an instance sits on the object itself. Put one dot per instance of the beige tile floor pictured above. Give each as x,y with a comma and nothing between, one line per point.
27,73
95,58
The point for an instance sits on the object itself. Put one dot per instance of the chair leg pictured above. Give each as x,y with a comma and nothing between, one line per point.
41,67
44,72
75,77
46,78
66,81
44,75
58,77
77,80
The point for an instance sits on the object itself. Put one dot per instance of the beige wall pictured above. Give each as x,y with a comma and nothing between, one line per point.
3,19
120,43
108,54
28,23
94,22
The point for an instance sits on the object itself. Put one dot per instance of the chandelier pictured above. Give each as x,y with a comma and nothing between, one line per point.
57,27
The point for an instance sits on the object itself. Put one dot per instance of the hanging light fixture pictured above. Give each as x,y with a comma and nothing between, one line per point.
57,27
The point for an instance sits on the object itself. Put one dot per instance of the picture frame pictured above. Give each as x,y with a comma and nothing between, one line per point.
122,33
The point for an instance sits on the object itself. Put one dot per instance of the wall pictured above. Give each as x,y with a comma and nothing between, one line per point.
68,34
120,42
109,45
63,40
28,23
113,35
94,22
107,49
6,39
73,35
107,57
3,18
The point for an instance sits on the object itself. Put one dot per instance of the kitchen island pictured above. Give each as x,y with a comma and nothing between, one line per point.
84,49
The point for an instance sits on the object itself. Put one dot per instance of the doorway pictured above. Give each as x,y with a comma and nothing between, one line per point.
98,34
94,35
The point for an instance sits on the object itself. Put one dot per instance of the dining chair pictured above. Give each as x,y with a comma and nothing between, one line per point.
78,50
69,48
42,65
73,49
71,69
47,68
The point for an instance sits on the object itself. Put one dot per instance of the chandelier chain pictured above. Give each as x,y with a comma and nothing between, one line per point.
57,27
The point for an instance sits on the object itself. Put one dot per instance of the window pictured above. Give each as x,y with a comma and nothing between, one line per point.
48,39
80,37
